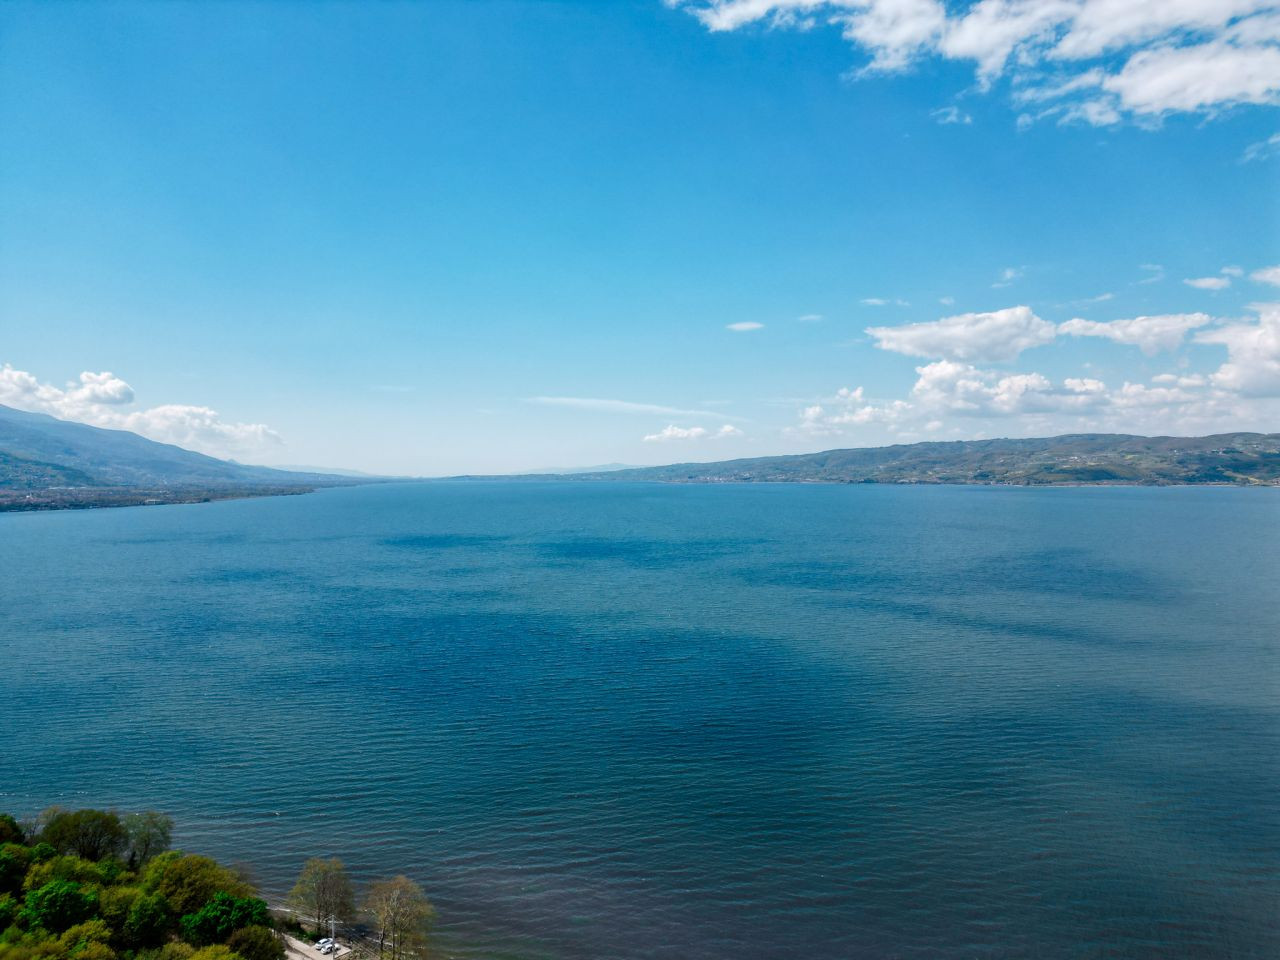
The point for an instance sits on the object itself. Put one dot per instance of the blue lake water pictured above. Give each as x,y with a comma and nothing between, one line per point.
694,722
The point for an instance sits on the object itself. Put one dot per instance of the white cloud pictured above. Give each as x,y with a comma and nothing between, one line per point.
1196,78
1253,354
1150,334
600,405
1261,150
947,301
101,399
964,389
874,302
672,432
744,325
1232,271
984,337
1154,270
949,115
1269,275
809,318
1007,276
1208,283
1097,61
848,408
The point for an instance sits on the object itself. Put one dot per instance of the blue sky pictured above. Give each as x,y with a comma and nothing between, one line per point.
491,236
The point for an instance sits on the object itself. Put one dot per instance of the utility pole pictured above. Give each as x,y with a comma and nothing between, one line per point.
333,931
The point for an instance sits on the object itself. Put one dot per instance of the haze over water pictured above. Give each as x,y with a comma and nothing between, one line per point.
686,722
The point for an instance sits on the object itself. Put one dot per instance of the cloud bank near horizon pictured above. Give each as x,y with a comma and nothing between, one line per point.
105,400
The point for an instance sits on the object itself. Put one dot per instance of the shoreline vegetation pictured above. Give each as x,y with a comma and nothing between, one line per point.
99,885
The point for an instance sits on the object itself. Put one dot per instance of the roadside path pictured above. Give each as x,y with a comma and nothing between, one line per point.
295,949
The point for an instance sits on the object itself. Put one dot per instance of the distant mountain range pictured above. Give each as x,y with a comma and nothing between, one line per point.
1092,458
47,463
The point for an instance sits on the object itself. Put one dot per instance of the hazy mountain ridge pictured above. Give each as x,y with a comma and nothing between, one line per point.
1238,458
46,462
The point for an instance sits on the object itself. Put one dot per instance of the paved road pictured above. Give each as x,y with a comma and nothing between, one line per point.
295,949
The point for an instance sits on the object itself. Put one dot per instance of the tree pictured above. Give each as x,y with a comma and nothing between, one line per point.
323,890
148,922
59,904
188,881
10,832
257,943
90,834
221,917
401,914
148,834
14,860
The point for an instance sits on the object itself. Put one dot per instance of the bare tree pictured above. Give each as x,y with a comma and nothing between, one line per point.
149,833
402,915
323,890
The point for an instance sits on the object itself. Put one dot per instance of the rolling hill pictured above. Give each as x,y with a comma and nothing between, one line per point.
1237,458
46,462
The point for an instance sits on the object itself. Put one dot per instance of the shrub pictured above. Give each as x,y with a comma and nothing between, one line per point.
257,943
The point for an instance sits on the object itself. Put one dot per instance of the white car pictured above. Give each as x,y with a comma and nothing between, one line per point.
321,944
328,948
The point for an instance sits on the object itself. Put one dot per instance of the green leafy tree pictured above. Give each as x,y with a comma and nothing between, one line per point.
14,861
221,917
323,890
114,904
188,881
216,952
401,914
149,921
43,851
77,939
257,943
64,868
10,831
58,905
91,834
8,910
148,834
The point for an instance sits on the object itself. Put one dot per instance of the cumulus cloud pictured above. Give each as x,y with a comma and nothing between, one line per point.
743,326
848,408
103,400
962,388
1253,354
809,318
1208,283
1269,275
672,432
1149,334
983,337
1097,61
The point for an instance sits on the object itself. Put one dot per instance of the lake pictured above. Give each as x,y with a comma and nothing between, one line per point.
694,722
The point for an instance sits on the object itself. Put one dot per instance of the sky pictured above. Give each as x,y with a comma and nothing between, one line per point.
495,236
